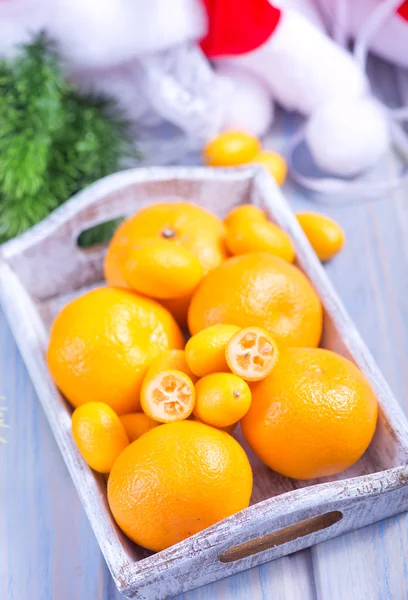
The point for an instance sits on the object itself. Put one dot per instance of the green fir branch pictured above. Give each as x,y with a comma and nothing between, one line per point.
53,140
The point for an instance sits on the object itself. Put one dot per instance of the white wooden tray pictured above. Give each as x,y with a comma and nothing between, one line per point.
44,268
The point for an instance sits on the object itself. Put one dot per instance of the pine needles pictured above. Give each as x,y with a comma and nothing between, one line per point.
53,140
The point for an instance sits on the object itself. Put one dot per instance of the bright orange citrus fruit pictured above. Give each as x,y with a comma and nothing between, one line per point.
136,424
178,307
231,148
102,343
205,351
222,399
99,435
259,290
254,235
172,359
167,396
314,416
244,212
274,163
160,269
325,235
252,353
179,223
176,480
227,429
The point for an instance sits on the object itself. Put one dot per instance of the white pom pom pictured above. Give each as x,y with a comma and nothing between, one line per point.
346,137
249,104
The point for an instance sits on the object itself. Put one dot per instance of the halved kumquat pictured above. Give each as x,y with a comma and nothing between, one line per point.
252,353
167,396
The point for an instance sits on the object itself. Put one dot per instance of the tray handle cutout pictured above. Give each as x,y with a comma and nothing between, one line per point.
281,536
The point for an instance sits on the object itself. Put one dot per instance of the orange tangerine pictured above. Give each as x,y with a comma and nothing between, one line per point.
102,344
161,269
261,290
175,481
313,416
177,223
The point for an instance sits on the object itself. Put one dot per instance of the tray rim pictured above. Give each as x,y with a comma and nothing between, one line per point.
123,570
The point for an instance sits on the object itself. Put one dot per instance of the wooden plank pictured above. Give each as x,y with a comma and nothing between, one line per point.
372,280
47,548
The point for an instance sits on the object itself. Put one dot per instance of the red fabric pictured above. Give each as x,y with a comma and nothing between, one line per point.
403,10
238,26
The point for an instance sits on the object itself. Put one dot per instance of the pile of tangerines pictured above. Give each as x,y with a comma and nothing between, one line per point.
156,413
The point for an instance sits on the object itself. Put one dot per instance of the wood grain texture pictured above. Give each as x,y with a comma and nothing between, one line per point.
49,550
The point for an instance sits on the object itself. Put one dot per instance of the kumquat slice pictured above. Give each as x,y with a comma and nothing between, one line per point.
251,353
168,396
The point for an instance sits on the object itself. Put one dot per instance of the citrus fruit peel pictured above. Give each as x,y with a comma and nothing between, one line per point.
168,396
324,234
171,360
162,269
205,351
136,424
99,435
252,353
231,148
244,212
274,163
255,235
222,399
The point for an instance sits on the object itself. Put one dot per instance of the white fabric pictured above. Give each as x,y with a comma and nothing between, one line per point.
372,130
390,42
346,137
247,100
102,33
113,31
19,21
302,67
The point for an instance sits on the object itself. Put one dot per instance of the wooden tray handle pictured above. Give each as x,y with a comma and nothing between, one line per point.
281,536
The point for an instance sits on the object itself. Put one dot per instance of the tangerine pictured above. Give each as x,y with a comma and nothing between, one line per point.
102,343
313,416
175,481
260,290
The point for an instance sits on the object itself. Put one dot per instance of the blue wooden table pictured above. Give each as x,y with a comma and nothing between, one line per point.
47,548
